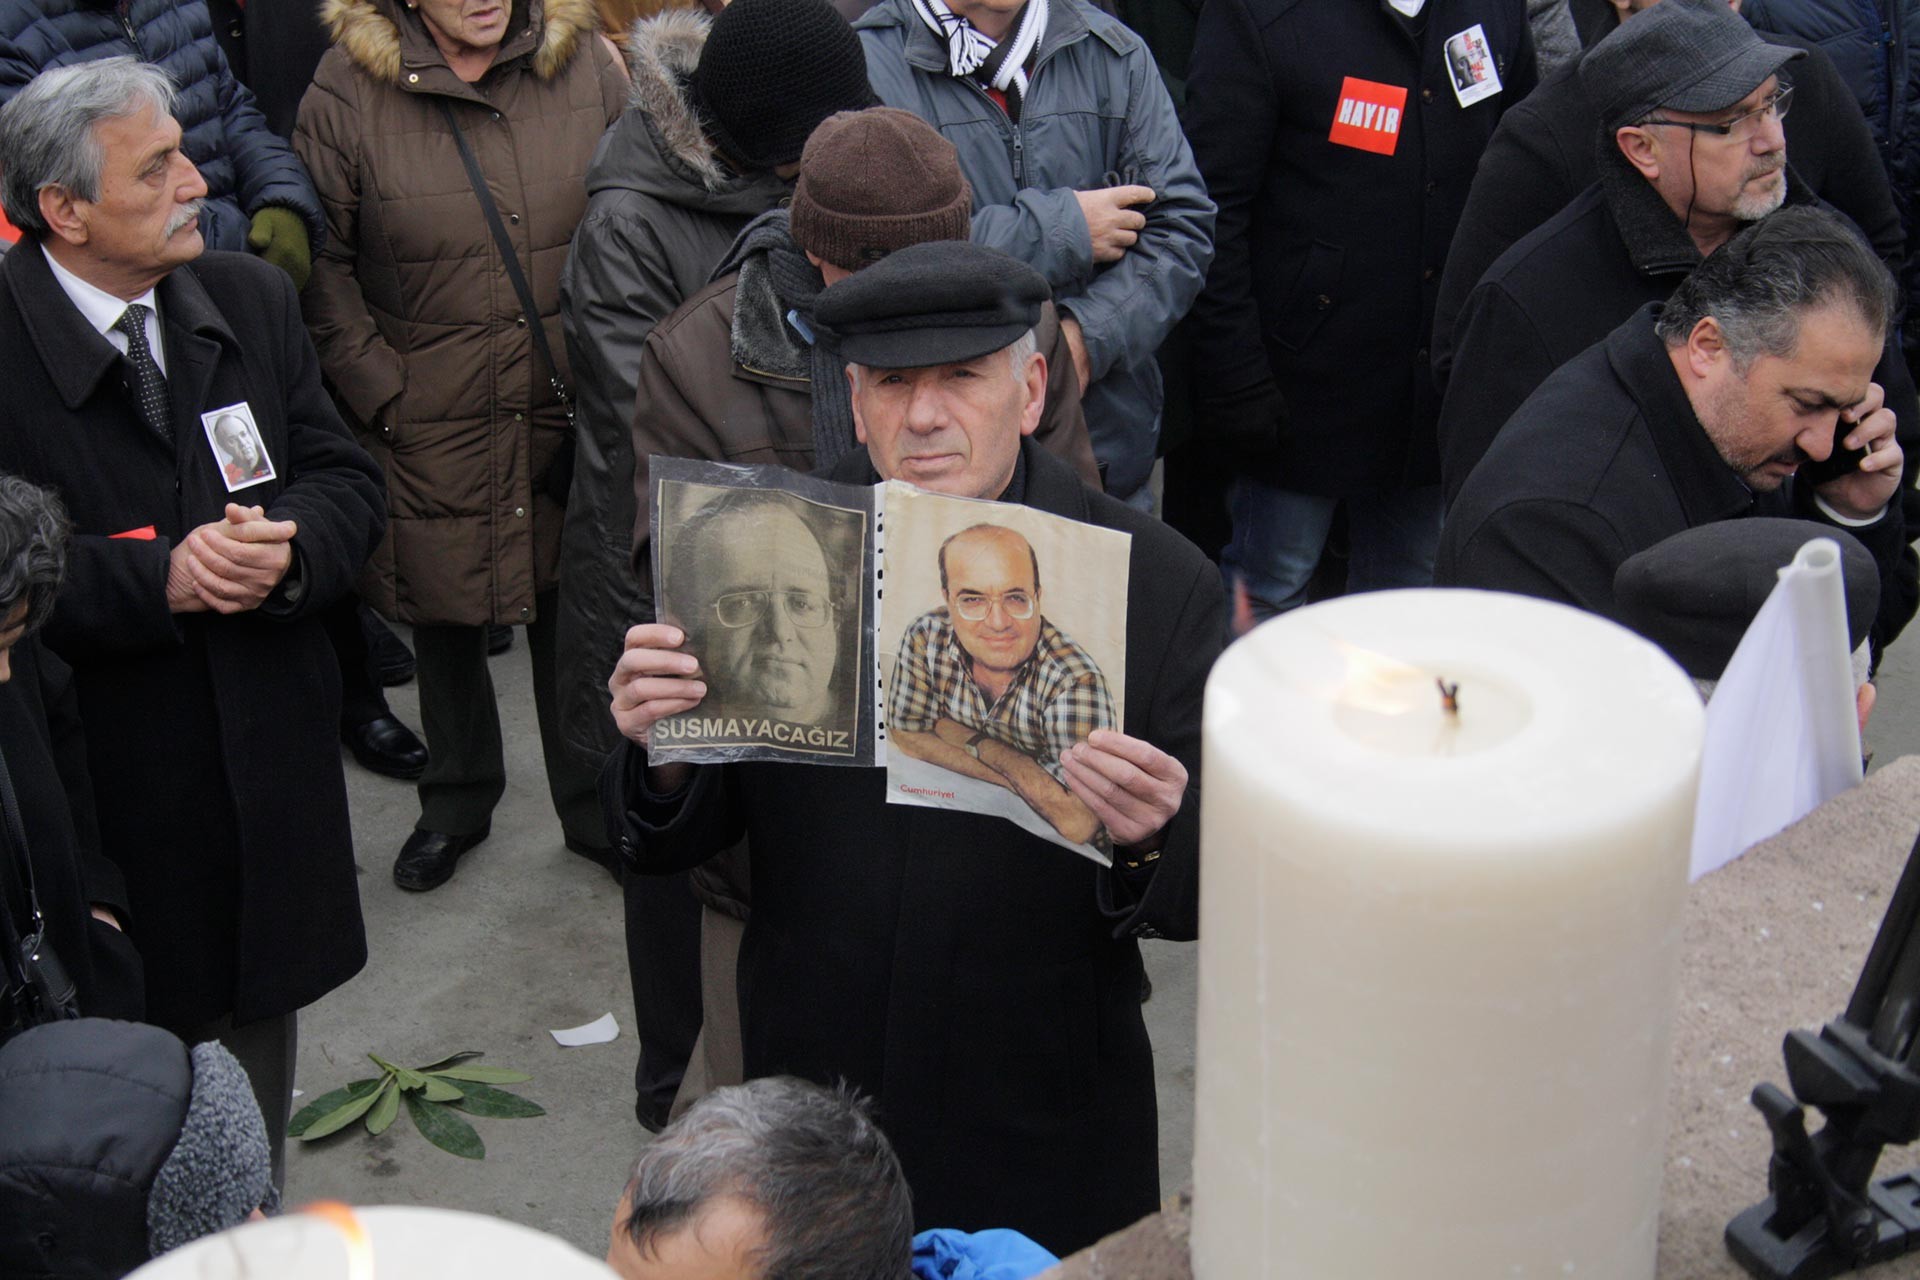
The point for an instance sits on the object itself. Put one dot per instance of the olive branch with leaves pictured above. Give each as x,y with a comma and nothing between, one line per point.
434,1095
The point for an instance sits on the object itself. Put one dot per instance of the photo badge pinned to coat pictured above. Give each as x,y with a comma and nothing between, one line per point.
239,450
1471,66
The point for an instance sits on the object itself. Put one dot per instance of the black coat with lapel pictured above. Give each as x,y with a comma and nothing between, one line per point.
213,738
982,984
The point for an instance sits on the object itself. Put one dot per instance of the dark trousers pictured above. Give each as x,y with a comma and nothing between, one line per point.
663,959
361,698
466,767
267,1049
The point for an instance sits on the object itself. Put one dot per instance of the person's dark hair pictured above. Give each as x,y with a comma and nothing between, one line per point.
831,1193
1757,285
978,528
33,549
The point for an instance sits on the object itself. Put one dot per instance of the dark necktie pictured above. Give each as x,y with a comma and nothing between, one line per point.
149,382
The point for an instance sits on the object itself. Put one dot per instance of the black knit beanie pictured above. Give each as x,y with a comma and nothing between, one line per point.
772,70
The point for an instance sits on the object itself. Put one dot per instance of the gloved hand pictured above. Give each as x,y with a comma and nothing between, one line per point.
279,236
1246,423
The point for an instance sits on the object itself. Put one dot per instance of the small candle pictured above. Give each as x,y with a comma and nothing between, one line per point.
1438,944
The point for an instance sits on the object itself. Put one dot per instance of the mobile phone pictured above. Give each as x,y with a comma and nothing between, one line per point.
1842,461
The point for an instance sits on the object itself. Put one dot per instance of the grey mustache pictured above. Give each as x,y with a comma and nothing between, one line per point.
184,214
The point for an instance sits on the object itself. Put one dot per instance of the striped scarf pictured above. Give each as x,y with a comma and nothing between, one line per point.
1000,65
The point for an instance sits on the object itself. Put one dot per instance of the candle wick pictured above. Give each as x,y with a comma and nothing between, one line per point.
1449,696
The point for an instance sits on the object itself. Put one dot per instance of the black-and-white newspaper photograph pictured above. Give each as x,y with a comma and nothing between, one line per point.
1002,643
767,572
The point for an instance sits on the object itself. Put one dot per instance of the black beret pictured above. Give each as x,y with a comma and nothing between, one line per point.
1696,593
940,302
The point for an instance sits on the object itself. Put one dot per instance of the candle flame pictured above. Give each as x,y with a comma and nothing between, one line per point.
1379,683
343,1219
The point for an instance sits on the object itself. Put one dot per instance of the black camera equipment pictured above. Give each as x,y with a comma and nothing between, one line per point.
1826,1215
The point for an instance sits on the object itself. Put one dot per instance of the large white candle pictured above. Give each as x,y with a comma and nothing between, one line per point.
1437,949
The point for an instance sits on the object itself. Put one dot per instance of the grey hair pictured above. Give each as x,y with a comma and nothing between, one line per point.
33,549
47,130
1018,352
1757,285
831,1193
1024,347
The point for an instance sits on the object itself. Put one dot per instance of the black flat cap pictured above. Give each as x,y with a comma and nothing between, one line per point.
1696,593
1684,55
940,302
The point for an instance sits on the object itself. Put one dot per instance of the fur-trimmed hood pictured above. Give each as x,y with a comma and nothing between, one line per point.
368,31
662,53
658,147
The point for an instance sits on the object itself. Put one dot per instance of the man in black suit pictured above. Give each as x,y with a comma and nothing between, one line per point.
207,691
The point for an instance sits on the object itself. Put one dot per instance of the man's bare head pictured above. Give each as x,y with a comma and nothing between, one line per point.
990,576
773,1178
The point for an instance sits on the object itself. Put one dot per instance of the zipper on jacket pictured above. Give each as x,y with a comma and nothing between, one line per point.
1010,131
1017,148
126,25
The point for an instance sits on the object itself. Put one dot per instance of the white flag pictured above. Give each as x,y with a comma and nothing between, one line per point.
1783,734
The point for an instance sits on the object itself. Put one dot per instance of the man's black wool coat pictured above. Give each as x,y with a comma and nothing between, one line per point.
980,983
213,739
1603,461
1310,339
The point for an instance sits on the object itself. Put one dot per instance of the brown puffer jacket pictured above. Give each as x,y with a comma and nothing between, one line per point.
420,333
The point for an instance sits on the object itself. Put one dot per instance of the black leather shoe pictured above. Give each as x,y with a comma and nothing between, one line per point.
499,639
386,746
427,859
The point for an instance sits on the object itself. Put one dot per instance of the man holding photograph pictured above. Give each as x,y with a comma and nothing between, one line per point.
987,687
979,981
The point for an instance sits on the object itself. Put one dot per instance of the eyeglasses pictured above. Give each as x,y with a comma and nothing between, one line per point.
1774,108
744,608
974,606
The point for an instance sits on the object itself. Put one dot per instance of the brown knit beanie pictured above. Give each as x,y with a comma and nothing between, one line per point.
875,181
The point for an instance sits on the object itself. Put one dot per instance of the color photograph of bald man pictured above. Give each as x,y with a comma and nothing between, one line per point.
770,588
993,683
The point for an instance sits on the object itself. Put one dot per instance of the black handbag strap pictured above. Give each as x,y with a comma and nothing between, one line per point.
528,309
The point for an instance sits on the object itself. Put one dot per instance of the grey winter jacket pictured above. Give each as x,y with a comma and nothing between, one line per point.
1097,114
662,210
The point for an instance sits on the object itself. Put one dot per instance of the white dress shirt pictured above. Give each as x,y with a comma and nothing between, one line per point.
103,310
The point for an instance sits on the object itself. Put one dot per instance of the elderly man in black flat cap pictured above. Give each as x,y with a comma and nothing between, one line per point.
979,982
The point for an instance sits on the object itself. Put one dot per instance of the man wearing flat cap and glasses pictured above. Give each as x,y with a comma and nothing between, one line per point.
981,983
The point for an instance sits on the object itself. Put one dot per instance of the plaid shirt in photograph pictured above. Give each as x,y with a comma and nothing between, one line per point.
1057,697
